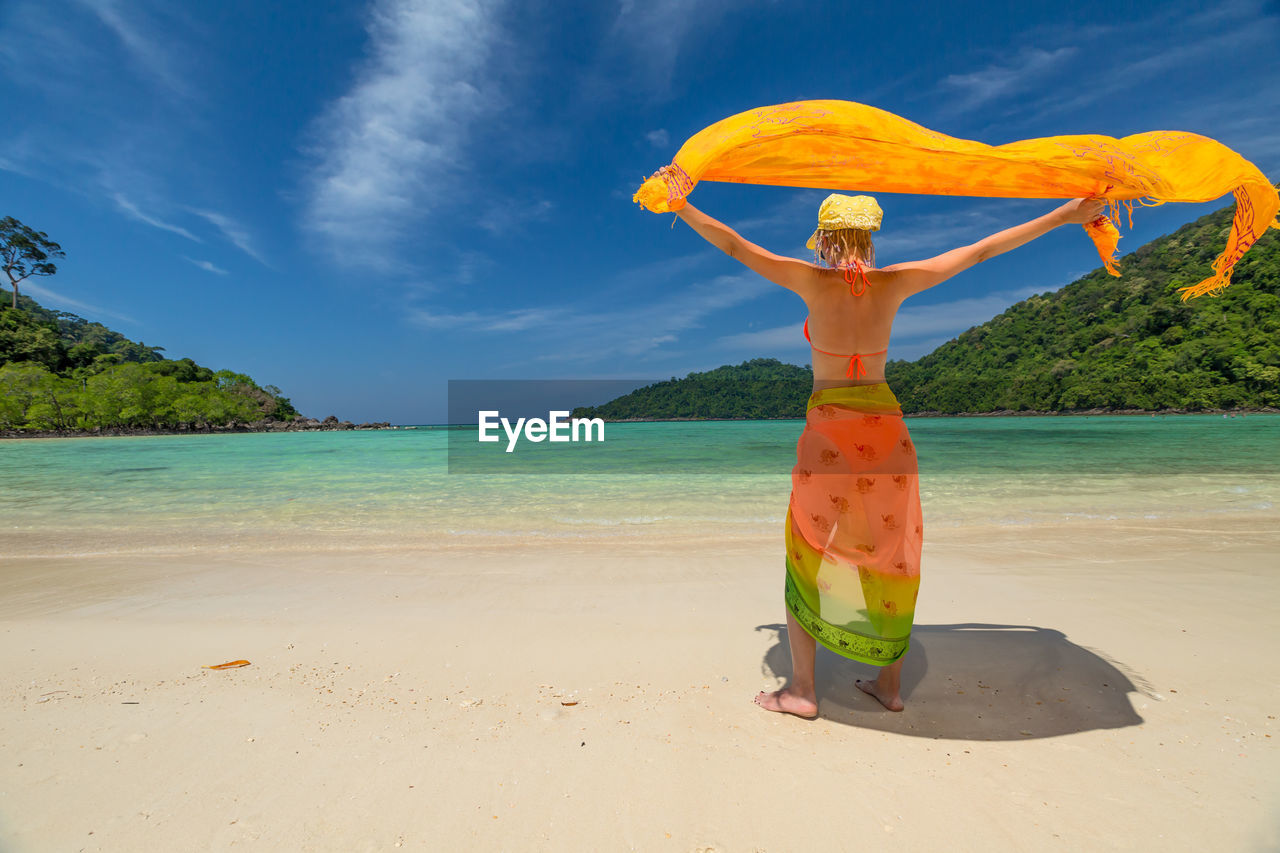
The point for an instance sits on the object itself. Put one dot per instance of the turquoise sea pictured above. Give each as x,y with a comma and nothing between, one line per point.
392,489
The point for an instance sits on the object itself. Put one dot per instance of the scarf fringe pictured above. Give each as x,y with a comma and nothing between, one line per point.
1106,237
664,191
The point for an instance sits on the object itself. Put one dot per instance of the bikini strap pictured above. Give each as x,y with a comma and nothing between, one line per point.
850,277
855,359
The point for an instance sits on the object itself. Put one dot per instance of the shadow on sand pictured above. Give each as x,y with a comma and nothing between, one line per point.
976,682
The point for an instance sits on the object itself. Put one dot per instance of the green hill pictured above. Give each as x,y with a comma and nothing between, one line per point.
754,390
1099,343
59,371
1127,342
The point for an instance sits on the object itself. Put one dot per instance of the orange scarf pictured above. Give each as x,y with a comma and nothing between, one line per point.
846,146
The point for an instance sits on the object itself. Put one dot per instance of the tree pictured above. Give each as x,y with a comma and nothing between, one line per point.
25,252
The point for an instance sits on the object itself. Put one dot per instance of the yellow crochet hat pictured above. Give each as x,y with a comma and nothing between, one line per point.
847,211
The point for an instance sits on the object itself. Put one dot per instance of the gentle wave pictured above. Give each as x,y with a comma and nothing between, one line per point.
351,491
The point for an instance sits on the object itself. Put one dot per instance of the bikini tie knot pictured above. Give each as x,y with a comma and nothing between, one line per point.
850,277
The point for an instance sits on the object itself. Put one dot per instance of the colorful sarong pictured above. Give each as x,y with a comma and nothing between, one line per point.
841,145
854,527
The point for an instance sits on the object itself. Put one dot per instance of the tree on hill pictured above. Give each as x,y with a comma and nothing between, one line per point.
759,388
59,371
25,252
1117,343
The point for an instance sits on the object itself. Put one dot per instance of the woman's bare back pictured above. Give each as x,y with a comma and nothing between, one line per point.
845,323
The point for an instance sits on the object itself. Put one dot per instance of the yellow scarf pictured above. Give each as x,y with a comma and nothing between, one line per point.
848,146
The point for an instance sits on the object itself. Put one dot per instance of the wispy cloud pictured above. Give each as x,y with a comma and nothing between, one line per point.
1002,79
149,51
1117,63
505,216
513,320
207,266
652,32
130,208
797,212
658,138
1096,84
786,338
639,53
121,78
954,317
567,333
233,231
384,153
52,297
918,236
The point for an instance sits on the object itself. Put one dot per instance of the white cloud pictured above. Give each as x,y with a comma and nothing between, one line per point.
777,339
146,49
233,231
630,330
51,297
132,209
639,53
514,320
8,165
954,317
1002,80
1116,65
652,31
511,213
120,77
919,236
1094,85
207,266
917,349
386,150
658,138
796,214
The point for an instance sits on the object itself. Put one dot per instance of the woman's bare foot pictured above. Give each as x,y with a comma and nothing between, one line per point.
787,702
892,701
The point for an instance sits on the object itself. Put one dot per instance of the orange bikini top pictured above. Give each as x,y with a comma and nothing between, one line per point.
855,359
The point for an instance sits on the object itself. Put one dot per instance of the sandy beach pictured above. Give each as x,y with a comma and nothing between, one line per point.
1087,686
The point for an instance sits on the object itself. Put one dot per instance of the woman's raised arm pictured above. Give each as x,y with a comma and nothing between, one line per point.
790,273
914,276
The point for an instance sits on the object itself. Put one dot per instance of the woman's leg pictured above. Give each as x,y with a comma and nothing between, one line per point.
798,697
887,685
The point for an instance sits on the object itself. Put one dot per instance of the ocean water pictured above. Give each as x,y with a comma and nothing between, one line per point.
393,489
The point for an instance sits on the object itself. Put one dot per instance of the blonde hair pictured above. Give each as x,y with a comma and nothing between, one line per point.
841,246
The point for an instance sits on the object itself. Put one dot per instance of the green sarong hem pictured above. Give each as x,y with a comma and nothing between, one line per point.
877,651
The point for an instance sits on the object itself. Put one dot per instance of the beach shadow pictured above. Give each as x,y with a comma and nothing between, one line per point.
976,681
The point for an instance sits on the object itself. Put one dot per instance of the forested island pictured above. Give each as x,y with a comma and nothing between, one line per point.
63,375
1099,345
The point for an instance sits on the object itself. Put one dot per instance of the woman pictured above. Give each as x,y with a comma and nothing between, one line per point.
854,527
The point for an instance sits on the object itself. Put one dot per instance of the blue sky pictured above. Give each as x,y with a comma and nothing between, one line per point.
360,201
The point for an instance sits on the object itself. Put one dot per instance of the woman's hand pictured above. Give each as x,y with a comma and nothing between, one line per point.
1080,211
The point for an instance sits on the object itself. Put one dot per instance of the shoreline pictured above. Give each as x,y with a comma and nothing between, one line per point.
312,425
330,424
999,413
